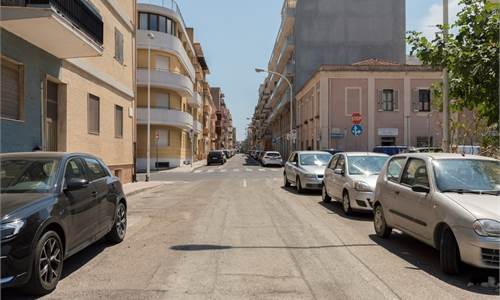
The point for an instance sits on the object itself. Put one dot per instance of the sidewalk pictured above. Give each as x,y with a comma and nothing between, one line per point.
134,188
183,168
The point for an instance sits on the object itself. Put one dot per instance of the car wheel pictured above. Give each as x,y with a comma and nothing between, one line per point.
299,185
47,265
285,180
449,253
380,224
324,195
119,229
346,203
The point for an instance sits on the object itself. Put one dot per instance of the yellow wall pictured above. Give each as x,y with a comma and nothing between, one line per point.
179,144
142,98
175,64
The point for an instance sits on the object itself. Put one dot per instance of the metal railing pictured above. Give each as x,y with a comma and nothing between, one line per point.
78,12
170,4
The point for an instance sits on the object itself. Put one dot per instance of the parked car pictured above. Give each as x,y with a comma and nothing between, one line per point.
449,201
351,178
306,169
272,158
332,151
257,154
227,154
390,150
261,155
54,205
216,157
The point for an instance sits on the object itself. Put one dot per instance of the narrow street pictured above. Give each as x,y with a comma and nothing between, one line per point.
234,232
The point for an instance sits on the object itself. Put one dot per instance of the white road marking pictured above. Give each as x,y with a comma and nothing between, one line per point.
198,171
236,170
210,171
248,170
262,170
223,171
244,183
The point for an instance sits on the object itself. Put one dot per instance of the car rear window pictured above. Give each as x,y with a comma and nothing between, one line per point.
273,154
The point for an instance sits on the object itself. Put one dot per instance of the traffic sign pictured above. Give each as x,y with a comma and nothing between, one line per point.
357,130
356,118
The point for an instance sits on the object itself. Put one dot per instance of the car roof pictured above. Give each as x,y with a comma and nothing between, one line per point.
311,152
43,155
272,152
364,154
442,155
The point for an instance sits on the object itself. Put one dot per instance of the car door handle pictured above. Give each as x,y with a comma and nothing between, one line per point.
94,193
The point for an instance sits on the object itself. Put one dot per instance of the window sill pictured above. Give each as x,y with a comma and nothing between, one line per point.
12,120
94,133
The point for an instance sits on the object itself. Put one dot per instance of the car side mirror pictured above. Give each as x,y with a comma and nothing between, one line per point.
76,184
339,172
420,189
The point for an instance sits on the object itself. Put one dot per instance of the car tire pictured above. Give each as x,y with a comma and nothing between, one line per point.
324,195
285,180
381,228
119,229
449,253
298,184
44,279
346,203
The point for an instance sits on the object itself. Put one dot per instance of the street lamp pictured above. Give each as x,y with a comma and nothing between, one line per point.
258,70
148,161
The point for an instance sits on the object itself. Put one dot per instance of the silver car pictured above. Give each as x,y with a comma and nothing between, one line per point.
306,169
449,201
351,178
272,158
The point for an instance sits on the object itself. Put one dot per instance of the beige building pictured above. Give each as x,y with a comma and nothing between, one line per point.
88,95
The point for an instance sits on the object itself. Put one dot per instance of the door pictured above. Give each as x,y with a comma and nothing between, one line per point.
292,167
338,179
82,207
105,199
414,209
51,116
388,192
329,173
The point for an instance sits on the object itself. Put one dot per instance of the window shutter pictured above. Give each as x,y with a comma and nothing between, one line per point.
396,100
93,114
380,96
12,83
415,101
118,121
118,46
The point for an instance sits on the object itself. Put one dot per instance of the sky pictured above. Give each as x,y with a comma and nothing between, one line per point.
238,35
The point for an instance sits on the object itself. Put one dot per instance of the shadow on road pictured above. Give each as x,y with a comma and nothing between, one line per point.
250,162
208,247
335,207
305,193
425,258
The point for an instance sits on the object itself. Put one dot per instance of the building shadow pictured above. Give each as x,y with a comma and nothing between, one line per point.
251,162
210,247
335,207
425,258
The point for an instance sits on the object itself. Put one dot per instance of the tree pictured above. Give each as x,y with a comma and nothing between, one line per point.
471,54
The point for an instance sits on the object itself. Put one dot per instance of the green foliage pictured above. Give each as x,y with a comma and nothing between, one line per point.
471,54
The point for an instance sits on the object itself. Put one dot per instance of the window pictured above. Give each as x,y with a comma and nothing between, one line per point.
388,141
163,138
424,141
118,121
394,169
163,101
163,24
169,26
340,163
95,168
415,173
93,114
12,90
162,62
424,100
388,100
153,22
74,170
143,21
352,100
333,162
119,46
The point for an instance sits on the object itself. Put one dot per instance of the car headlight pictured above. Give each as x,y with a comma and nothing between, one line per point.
309,176
362,186
487,227
10,229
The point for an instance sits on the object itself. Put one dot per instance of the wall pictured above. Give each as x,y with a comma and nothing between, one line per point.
346,31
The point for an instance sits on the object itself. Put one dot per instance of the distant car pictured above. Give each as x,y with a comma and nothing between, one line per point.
449,201
272,158
332,151
390,150
424,150
261,155
351,178
257,154
227,153
54,205
216,157
306,169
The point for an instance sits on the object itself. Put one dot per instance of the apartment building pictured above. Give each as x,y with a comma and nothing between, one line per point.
171,74
315,33
68,78
224,121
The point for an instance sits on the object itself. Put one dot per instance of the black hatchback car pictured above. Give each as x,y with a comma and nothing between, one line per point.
54,205
216,157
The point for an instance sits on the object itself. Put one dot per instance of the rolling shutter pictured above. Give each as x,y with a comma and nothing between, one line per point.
415,103
380,97
12,83
396,100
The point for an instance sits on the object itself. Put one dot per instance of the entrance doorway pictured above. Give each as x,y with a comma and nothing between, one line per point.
51,116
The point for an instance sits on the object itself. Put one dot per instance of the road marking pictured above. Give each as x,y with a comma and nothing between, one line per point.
262,170
223,171
244,183
198,171
236,170
248,170
210,171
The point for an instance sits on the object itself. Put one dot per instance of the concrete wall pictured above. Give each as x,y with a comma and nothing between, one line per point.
346,31
24,135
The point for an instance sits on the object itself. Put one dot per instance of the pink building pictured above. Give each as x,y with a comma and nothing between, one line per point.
394,99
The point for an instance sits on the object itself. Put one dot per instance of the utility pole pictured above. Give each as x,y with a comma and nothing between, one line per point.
446,85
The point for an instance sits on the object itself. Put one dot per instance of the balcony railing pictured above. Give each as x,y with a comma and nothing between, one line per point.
170,4
78,12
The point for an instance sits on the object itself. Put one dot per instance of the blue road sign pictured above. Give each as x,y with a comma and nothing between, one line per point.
357,130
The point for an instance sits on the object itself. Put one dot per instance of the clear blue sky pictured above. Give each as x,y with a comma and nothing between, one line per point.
238,35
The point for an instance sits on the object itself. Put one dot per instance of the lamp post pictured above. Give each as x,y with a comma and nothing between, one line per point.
148,160
258,70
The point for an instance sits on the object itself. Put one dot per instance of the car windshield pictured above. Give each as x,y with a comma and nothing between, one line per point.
28,176
366,165
315,159
467,175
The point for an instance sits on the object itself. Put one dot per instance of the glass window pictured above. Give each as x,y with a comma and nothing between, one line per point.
153,22
119,46
424,100
12,83
28,176
467,174
415,173
95,168
388,100
366,165
315,159
93,114
169,26
163,24
118,121
74,170
340,163
143,21
333,162
388,141
394,168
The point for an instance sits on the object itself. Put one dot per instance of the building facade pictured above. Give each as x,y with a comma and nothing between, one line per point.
224,121
71,90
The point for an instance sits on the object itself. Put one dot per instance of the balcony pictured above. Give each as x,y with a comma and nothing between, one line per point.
196,100
63,28
287,24
168,4
165,117
167,43
166,79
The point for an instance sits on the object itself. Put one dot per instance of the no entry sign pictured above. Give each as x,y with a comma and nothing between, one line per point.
356,118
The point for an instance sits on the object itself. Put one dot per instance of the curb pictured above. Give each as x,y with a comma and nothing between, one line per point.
133,193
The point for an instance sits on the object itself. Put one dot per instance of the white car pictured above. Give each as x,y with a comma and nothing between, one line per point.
306,170
271,158
351,178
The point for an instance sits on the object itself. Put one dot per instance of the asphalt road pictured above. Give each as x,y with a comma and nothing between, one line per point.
233,232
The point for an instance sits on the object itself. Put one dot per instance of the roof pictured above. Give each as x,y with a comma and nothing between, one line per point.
375,62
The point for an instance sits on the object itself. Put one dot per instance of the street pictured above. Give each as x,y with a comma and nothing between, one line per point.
233,231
